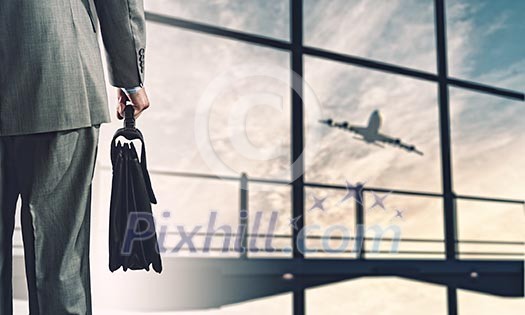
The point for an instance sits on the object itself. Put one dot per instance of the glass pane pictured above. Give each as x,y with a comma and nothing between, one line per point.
269,225
415,224
377,296
199,208
394,31
218,106
485,41
470,303
490,230
407,227
488,145
269,17
389,118
330,224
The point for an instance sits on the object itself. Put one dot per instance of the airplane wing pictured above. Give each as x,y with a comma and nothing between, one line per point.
398,143
377,137
343,125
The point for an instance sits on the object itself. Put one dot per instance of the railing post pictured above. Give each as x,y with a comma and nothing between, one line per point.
359,221
243,215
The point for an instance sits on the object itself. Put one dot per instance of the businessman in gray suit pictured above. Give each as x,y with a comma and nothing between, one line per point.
52,102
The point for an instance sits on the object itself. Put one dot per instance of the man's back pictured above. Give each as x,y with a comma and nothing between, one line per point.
52,77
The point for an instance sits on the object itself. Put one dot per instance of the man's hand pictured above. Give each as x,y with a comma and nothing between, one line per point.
139,100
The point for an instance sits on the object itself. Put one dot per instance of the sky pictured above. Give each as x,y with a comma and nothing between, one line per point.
188,71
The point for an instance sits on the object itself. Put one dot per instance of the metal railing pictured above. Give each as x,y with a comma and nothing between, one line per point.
244,183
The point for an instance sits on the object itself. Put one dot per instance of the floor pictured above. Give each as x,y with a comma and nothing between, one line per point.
21,308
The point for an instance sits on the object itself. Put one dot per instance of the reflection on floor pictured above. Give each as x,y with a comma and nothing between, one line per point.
21,308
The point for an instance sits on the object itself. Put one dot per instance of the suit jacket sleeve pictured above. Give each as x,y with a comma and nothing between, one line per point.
123,28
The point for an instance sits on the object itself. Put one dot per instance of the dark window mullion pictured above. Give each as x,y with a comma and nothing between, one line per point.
297,130
446,151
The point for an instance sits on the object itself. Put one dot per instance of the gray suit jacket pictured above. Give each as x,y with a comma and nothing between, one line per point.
51,74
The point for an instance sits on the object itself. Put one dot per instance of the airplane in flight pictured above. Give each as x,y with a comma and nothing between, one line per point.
370,134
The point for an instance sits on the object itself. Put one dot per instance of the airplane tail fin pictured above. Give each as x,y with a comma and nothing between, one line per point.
374,122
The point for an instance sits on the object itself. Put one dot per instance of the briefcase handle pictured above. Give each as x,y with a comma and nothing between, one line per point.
130,132
129,116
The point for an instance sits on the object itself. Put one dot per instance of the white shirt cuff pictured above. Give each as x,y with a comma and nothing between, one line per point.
133,90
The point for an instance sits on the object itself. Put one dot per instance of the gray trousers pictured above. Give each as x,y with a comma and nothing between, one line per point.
52,172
